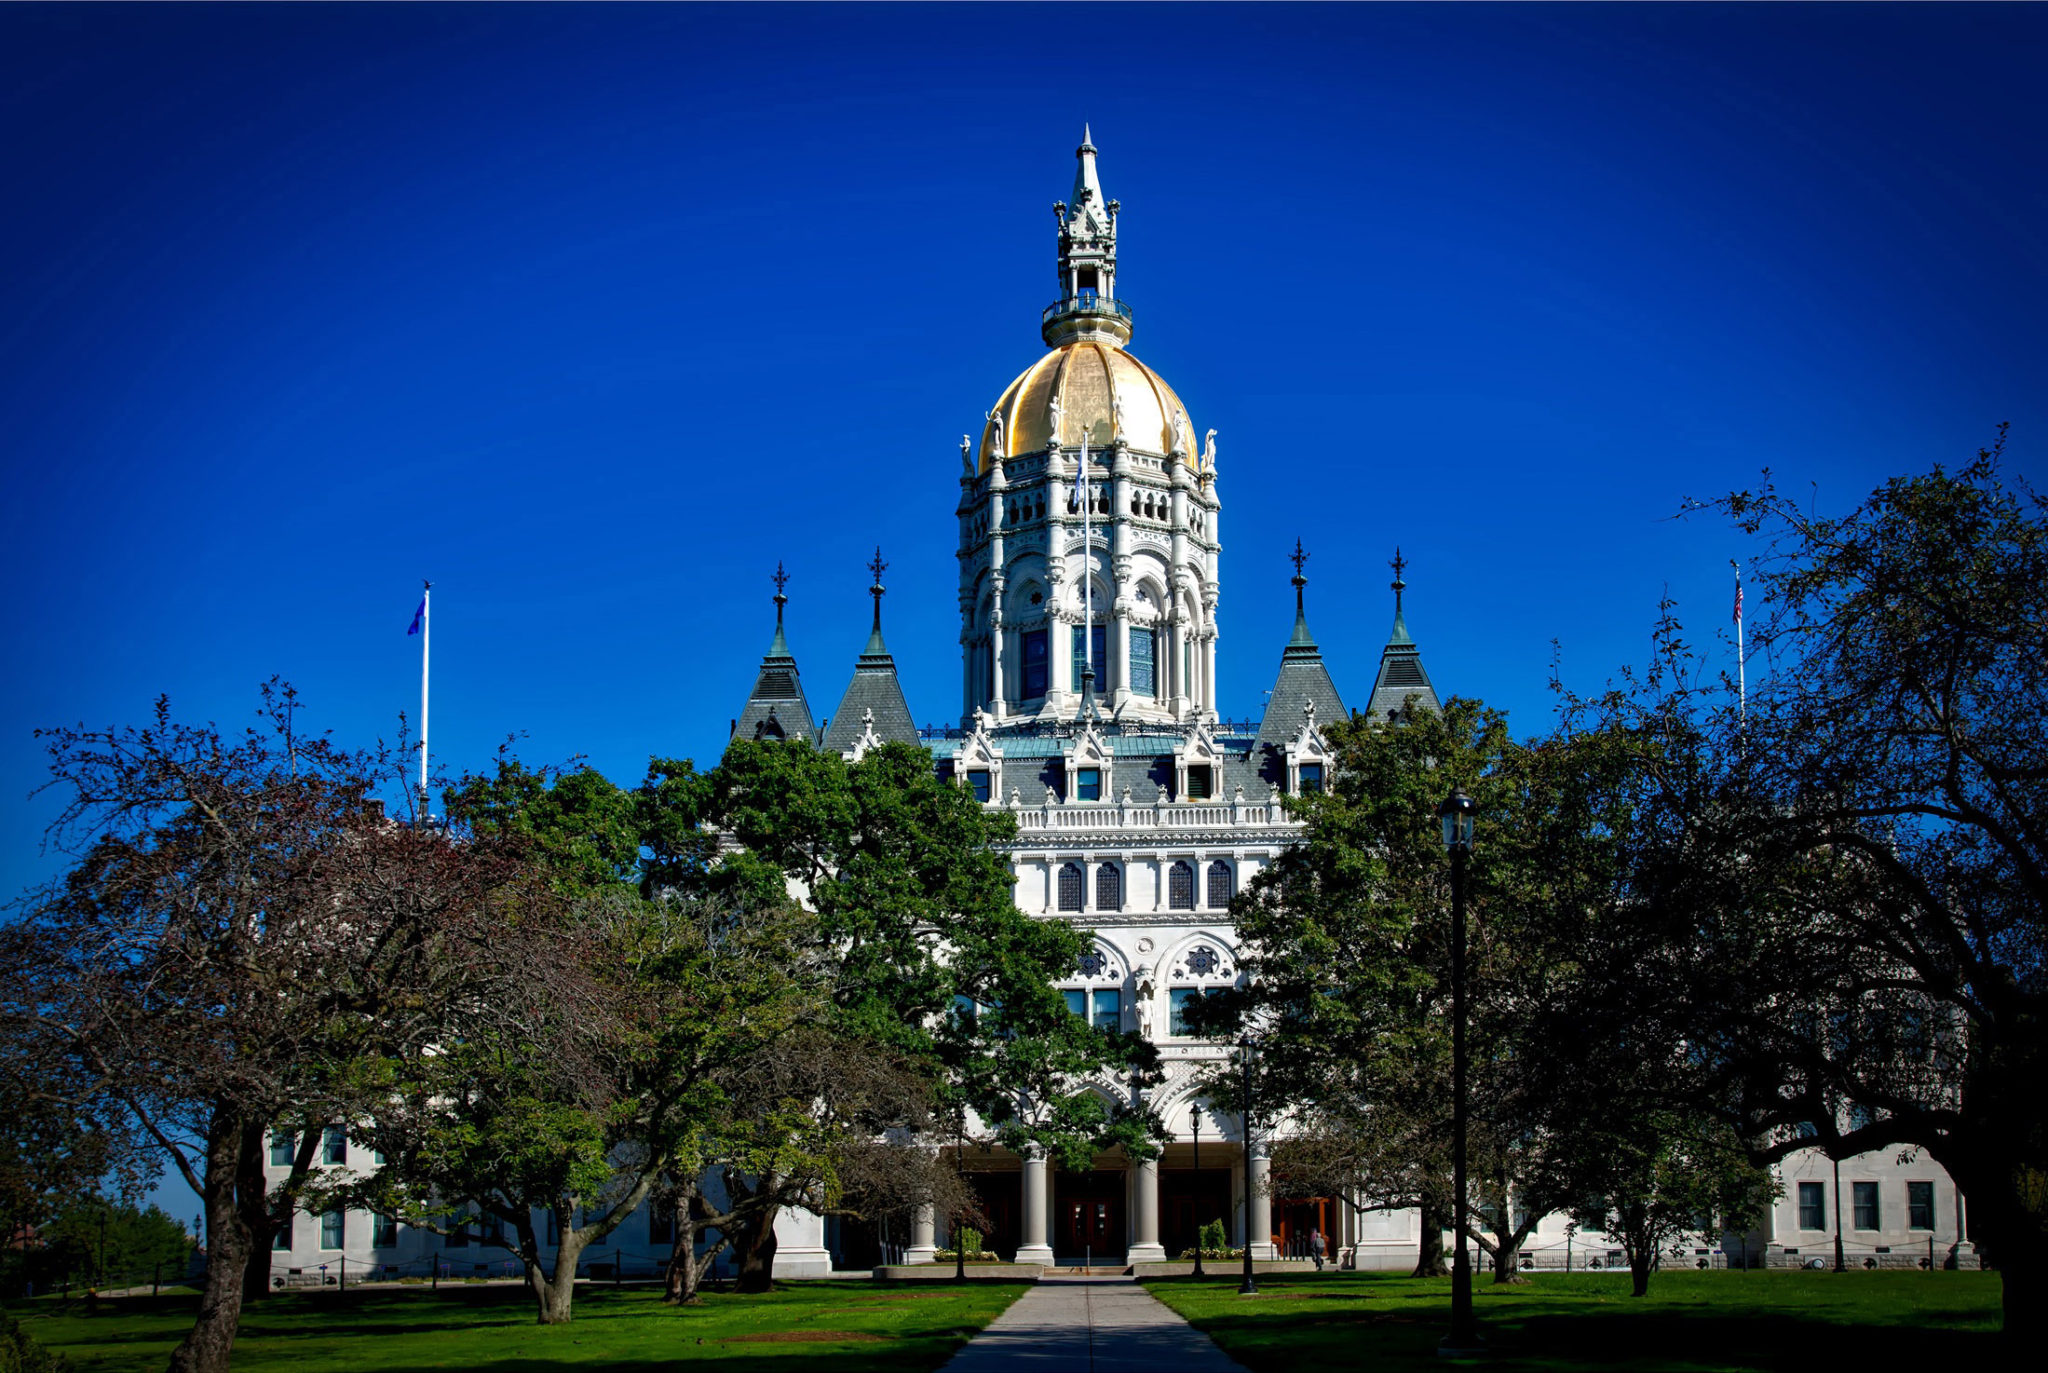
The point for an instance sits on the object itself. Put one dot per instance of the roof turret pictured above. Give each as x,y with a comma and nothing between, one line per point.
873,710
1401,673
1303,679
777,708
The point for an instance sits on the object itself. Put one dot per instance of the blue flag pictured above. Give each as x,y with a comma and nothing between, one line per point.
417,616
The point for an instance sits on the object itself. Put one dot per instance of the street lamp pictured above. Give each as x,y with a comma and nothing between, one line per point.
1456,814
1195,1124
1249,1287
960,1174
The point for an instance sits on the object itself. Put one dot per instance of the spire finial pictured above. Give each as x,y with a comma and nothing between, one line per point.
781,579
1400,565
878,567
1298,557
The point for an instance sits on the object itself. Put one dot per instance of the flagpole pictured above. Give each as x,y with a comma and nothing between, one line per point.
1741,667
426,634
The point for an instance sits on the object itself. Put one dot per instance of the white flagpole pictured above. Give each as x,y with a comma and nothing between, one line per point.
1741,667
1087,566
426,632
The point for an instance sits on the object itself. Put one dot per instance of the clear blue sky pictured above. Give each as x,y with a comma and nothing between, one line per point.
592,314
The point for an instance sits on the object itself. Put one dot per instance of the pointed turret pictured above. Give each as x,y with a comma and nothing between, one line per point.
1088,307
1303,681
873,709
777,708
1401,673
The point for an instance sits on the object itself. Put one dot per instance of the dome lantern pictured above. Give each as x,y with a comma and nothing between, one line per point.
1088,307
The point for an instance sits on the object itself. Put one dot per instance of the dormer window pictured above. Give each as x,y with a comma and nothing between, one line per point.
1201,782
1088,784
977,782
1311,778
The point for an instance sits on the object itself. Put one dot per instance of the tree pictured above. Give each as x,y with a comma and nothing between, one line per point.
108,1242
1348,934
1887,790
239,928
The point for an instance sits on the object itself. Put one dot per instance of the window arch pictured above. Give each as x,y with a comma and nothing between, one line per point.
1109,887
1071,887
1222,884
1180,888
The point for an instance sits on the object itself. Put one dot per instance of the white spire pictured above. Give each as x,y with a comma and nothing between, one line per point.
1087,189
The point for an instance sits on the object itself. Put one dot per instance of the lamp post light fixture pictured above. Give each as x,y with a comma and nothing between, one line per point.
1249,1287
1456,813
1195,1124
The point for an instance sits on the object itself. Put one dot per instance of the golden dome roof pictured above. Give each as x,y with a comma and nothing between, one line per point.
1085,374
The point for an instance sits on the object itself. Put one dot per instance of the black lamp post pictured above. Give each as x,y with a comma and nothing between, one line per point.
1195,1124
1249,1287
1456,814
960,1172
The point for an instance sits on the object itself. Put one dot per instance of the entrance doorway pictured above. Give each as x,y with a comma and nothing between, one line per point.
1295,1217
1088,1211
997,1195
1189,1200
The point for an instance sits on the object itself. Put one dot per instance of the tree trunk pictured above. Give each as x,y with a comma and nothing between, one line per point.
2025,1295
1507,1257
252,1194
554,1294
756,1248
1429,1254
680,1287
211,1340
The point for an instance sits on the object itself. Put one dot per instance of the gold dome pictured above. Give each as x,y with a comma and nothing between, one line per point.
1084,374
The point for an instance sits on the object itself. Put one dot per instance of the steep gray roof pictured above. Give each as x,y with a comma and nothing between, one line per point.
874,688
1303,678
777,708
1401,673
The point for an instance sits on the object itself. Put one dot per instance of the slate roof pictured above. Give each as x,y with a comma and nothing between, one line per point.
777,706
1303,678
1401,673
874,688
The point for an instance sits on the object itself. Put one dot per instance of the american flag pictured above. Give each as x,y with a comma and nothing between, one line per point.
1738,598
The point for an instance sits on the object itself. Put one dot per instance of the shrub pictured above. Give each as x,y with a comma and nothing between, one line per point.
20,1354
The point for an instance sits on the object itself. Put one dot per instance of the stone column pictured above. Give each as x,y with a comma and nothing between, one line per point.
1260,1204
1034,1249
1145,1246
923,1247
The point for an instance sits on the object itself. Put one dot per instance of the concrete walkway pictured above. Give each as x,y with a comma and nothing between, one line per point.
1090,1325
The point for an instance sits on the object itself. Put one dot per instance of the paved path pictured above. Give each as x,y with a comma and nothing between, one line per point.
1090,1325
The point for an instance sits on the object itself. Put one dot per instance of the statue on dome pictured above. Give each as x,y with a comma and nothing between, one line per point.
1180,431
995,440
1116,414
966,455
1209,454
1053,412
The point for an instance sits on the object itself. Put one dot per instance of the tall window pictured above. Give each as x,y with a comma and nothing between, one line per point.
384,1231
1222,884
1109,1010
1109,887
332,1229
1201,786
1144,676
1077,1001
1865,1198
283,1144
1813,1206
1087,784
1920,1206
282,1239
1180,888
1070,887
1311,778
334,1144
977,782
1178,1000
1034,663
1100,644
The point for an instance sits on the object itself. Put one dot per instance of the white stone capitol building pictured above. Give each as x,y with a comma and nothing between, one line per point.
1088,706
1089,711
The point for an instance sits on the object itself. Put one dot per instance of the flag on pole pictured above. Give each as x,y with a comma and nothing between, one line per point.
1081,474
417,616
1738,598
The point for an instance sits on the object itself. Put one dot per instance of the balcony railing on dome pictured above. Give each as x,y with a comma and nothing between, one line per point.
1086,303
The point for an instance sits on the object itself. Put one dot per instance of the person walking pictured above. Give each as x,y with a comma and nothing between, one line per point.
1316,1248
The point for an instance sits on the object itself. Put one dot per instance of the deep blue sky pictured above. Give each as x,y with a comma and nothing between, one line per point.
593,314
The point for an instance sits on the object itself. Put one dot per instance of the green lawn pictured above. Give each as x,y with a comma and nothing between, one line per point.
832,1327
1690,1322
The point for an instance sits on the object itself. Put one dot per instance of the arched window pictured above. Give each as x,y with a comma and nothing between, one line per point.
1109,887
1070,887
1180,888
1222,883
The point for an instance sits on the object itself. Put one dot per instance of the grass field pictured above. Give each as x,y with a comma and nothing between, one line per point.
831,1327
1689,1323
